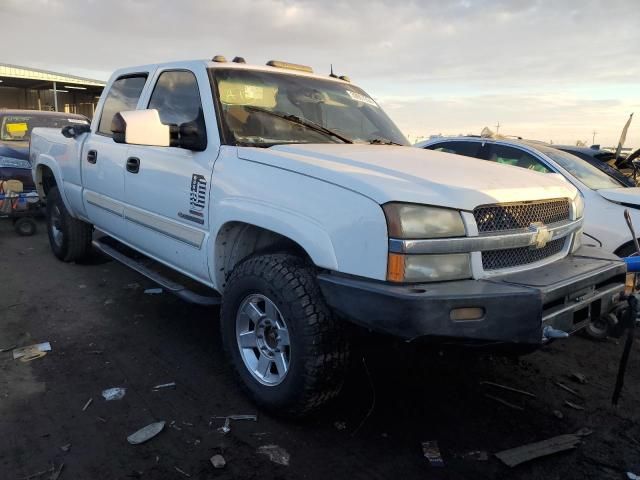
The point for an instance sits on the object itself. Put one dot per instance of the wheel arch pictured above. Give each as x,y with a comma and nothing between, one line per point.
47,175
236,240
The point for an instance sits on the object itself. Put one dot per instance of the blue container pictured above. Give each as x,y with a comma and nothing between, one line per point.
633,264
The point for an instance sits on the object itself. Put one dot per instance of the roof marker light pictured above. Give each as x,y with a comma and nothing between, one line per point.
289,66
219,59
238,60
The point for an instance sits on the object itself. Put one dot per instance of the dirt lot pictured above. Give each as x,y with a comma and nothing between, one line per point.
106,332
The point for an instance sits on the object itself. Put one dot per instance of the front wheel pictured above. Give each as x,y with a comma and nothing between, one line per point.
289,351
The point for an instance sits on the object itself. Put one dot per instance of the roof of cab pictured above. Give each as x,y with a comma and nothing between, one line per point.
190,64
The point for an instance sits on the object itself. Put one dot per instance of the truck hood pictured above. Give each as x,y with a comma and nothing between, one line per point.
393,173
622,195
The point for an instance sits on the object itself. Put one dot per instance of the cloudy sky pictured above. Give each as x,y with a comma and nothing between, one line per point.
549,70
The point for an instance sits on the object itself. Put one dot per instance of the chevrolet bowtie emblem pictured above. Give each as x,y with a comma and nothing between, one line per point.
542,235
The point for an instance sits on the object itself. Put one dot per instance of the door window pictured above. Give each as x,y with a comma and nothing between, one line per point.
516,157
177,98
122,96
468,149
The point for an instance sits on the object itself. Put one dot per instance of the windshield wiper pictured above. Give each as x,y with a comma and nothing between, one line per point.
300,121
383,141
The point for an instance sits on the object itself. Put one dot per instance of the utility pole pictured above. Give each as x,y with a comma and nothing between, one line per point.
593,139
498,127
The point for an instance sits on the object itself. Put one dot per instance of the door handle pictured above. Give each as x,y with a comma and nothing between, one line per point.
92,156
133,164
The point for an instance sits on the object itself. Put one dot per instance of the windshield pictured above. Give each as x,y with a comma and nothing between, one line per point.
18,128
591,176
269,108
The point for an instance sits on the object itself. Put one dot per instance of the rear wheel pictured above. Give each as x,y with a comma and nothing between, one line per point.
70,238
287,348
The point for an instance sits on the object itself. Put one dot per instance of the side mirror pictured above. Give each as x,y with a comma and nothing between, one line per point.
73,131
140,127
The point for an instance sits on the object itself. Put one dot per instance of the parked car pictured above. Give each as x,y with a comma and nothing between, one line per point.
604,160
605,196
297,201
15,131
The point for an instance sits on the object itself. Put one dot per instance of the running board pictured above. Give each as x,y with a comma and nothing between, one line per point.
169,285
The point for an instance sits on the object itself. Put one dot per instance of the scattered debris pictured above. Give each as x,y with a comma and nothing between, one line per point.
103,420
479,455
431,452
95,352
153,291
226,428
275,453
633,476
57,473
115,393
164,385
82,286
132,286
146,433
188,424
524,453
509,389
573,405
218,461
578,377
558,414
108,301
157,458
8,349
31,352
373,399
504,402
243,417
340,425
86,405
179,470
568,389
66,448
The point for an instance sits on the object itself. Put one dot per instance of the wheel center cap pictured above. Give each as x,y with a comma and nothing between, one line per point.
267,337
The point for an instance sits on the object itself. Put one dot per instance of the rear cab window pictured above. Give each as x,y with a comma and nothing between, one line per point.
122,96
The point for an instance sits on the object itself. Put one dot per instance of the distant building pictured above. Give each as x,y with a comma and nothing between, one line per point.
29,88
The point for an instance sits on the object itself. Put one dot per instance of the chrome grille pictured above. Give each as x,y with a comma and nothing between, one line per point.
511,216
513,257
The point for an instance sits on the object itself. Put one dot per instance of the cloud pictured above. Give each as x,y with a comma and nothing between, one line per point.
476,48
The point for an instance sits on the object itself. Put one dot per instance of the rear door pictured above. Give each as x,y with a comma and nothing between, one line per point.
103,160
168,196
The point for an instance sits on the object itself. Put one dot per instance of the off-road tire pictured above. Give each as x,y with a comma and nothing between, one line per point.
319,349
76,234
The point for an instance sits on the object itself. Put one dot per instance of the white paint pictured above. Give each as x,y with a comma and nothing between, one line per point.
325,197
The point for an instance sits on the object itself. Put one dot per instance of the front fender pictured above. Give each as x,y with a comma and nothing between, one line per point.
305,231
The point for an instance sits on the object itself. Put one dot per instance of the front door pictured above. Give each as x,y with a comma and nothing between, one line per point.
167,194
103,160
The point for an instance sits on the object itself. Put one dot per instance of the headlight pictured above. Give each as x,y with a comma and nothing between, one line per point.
578,206
409,221
428,268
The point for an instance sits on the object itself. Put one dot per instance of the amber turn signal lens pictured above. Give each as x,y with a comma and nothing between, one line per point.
395,267
466,314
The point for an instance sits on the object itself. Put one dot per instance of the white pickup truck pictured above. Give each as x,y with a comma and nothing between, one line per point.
297,203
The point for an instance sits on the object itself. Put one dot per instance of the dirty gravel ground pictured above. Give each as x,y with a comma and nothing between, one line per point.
105,332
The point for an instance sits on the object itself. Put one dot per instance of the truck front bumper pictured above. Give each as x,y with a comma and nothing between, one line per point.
565,295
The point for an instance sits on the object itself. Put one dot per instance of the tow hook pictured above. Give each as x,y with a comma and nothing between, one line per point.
550,333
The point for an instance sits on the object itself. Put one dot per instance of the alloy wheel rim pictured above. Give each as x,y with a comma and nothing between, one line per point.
263,339
56,227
